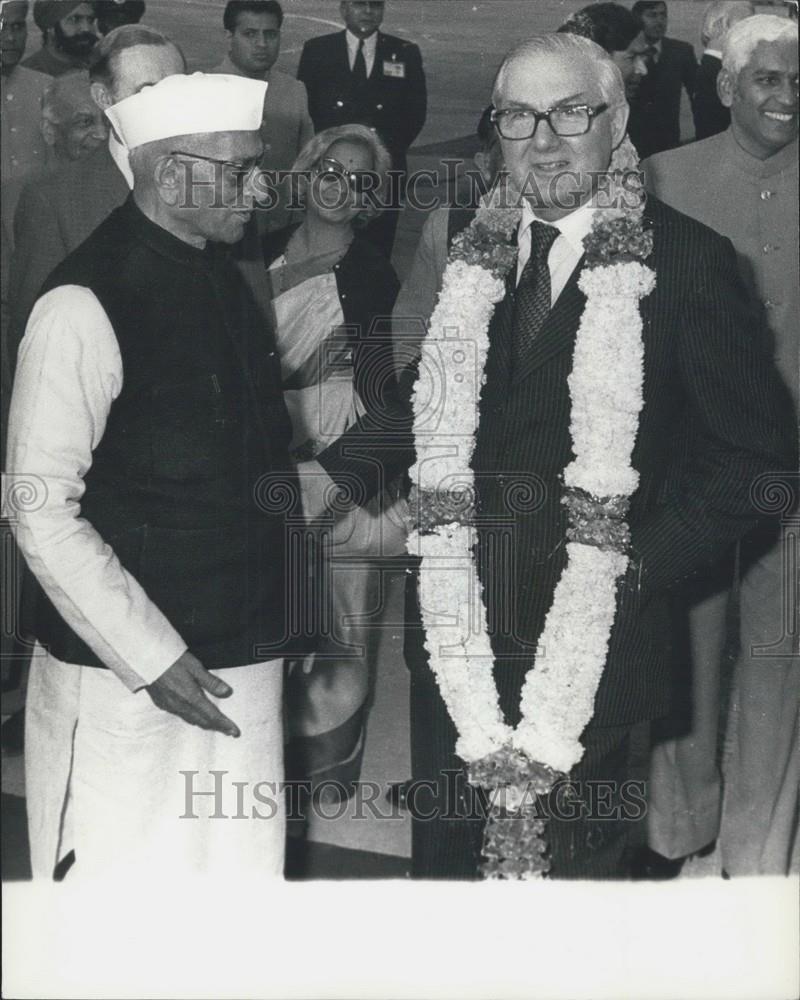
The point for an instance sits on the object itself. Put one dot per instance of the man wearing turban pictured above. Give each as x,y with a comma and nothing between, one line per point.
69,35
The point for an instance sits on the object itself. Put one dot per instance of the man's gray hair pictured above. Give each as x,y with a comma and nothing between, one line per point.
127,36
721,16
743,38
573,48
59,95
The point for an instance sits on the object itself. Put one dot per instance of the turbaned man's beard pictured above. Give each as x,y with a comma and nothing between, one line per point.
78,46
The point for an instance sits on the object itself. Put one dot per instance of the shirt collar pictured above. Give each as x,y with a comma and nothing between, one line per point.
369,43
573,227
784,160
713,52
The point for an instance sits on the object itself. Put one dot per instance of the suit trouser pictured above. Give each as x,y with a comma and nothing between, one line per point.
130,787
758,826
685,788
761,762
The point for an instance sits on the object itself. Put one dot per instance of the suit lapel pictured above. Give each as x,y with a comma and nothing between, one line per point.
377,66
498,363
342,56
559,329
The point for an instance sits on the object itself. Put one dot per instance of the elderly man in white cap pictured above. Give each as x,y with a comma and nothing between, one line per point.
147,437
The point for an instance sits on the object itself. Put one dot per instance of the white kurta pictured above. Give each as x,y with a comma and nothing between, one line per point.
102,762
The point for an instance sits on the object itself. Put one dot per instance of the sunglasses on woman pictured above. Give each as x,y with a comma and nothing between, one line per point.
358,181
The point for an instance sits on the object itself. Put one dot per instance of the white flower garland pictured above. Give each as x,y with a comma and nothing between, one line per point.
558,696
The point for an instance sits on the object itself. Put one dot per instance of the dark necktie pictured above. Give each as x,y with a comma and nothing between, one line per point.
651,58
360,66
532,303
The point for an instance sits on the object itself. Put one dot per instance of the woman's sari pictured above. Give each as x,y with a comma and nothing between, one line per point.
326,700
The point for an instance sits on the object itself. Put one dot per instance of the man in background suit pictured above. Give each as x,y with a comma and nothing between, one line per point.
362,75
671,67
744,184
715,417
58,211
710,114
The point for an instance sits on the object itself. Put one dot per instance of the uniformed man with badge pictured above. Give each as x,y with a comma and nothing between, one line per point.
362,75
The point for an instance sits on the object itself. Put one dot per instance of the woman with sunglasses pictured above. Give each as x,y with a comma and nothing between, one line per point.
330,289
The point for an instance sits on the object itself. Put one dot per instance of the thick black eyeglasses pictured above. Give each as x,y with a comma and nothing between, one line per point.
358,180
239,171
521,123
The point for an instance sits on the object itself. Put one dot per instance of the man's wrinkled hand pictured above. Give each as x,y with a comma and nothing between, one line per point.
181,690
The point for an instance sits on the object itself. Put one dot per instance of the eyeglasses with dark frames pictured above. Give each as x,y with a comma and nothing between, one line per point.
240,172
567,120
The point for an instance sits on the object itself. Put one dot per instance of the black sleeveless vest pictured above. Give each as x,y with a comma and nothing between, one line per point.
191,485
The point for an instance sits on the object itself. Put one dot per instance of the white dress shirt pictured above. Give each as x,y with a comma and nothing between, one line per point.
69,372
370,45
565,252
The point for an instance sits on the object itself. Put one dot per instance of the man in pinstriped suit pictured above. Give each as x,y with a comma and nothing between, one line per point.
715,418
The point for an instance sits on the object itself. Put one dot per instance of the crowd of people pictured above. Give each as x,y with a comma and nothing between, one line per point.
211,392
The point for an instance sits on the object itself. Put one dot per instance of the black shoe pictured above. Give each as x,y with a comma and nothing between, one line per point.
649,865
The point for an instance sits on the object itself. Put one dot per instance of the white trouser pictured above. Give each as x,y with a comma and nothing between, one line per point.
104,773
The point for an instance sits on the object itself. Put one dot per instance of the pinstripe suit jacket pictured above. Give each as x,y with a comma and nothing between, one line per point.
715,417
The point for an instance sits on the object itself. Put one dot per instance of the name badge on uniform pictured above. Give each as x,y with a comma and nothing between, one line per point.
395,69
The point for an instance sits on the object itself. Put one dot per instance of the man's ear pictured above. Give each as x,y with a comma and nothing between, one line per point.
725,88
481,161
169,179
100,95
619,123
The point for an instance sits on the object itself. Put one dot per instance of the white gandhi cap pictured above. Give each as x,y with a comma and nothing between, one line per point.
187,105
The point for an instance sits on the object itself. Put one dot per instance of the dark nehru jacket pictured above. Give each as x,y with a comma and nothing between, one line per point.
188,483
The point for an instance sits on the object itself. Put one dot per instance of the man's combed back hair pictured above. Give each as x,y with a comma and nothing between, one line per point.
610,25
643,5
573,48
126,36
742,39
236,7
721,15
